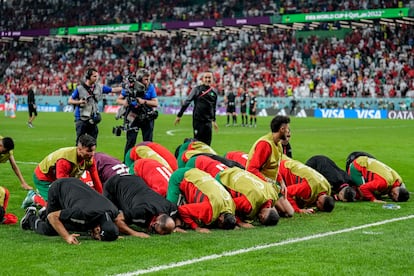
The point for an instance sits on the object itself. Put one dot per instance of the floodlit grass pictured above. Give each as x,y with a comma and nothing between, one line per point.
377,250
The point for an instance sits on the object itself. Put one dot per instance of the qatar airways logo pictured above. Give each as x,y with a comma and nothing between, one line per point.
401,114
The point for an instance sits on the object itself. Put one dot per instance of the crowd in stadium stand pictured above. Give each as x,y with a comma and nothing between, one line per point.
368,63
39,14
371,62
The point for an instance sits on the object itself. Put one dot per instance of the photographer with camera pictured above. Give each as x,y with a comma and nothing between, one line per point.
140,101
85,98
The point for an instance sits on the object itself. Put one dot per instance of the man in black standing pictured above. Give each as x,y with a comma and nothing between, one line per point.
244,97
230,101
31,102
252,108
204,114
293,103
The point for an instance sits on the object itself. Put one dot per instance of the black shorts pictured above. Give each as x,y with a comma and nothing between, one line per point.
203,131
231,109
32,110
243,108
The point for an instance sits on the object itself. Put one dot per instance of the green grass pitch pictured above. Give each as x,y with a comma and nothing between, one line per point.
344,242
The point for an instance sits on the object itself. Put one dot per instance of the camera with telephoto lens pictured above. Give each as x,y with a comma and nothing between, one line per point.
146,115
134,88
117,130
140,112
141,116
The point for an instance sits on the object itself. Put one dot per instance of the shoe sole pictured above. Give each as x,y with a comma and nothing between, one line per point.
25,219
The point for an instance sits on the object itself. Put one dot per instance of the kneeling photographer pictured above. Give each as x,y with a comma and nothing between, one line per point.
140,100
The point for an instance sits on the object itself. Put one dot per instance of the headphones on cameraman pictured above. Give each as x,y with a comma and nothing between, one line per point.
141,73
89,73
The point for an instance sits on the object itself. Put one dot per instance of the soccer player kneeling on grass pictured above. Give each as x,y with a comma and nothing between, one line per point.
254,197
306,188
202,201
62,163
375,179
140,205
74,207
341,183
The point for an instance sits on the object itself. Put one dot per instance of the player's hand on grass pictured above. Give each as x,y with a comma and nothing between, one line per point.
307,211
245,225
379,201
202,230
179,230
141,235
71,239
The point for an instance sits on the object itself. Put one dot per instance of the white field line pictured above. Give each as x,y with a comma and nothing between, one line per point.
259,247
172,131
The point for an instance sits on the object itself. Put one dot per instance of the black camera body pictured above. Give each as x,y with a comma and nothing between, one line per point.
117,130
139,113
145,114
95,119
135,89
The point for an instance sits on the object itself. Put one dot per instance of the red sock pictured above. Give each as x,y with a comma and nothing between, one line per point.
6,198
38,200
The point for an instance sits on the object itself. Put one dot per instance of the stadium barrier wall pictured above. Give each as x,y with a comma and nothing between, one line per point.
262,102
337,113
